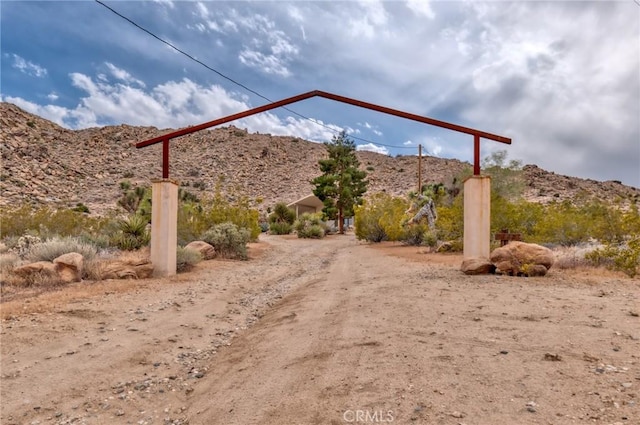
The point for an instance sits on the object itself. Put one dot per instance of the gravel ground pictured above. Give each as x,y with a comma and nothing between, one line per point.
331,332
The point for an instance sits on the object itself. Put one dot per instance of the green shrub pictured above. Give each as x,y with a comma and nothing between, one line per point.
381,217
314,231
132,233
80,207
280,228
47,222
229,240
622,257
53,248
187,258
415,234
264,227
282,214
310,226
196,218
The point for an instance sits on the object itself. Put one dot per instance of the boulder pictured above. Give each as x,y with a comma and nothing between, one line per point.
477,265
42,267
522,259
128,269
208,251
70,267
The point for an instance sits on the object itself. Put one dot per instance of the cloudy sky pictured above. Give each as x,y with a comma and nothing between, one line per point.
562,79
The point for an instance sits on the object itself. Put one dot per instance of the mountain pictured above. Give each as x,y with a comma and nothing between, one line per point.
43,163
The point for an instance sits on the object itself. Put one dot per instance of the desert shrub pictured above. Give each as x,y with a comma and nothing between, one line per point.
47,222
194,218
573,257
280,228
282,214
80,207
7,262
310,226
94,268
623,257
281,219
187,258
415,235
239,212
229,240
41,279
380,217
312,232
133,233
264,227
450,222
53,248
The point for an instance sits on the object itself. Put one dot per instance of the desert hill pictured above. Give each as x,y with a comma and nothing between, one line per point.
43,163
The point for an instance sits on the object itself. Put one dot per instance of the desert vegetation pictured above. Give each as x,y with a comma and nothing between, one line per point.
42,234
605,234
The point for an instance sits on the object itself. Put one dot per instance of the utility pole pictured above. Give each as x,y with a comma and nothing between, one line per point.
419,169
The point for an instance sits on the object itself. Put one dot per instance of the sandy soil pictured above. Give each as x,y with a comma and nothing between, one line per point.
328,332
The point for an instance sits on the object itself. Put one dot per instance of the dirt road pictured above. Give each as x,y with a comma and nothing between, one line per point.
331,332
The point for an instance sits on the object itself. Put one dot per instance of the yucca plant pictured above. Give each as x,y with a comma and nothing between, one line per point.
133,233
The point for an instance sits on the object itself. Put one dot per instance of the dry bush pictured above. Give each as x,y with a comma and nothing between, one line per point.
53,248
94,269
7,262
186,258
573,257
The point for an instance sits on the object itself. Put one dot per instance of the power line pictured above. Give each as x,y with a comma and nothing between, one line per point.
234,81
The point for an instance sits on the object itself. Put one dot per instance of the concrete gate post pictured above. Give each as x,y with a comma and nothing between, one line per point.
164,226
477,217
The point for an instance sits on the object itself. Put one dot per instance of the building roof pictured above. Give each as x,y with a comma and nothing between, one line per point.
308,201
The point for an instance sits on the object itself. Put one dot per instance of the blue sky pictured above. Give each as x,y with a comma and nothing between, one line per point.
562,79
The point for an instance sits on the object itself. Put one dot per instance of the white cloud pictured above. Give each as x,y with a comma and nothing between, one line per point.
372,22
173,104
371,127
52,96
370,147
408,143
421,7
167,3
269,64
28,67
123,75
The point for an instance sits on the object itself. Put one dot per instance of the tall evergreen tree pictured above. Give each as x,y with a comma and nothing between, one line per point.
342,184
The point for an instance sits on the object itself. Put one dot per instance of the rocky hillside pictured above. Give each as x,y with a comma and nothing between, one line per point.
43,163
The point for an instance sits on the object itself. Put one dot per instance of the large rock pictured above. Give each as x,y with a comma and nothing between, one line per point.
208,251
477,265
522,259
41,267
70,267
128,269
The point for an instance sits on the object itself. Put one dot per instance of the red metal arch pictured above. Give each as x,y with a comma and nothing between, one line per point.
477,134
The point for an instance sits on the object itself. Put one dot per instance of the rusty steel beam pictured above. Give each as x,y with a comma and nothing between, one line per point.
229,118
165,158
477,134
476,155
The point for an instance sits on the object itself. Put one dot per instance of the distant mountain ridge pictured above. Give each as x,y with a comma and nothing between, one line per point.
43,163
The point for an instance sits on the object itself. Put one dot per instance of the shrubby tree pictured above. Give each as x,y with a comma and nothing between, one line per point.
342,184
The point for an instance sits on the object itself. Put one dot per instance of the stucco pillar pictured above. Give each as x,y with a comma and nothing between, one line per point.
477,217
164,226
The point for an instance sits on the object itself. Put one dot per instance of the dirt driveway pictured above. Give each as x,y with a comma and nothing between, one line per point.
330,332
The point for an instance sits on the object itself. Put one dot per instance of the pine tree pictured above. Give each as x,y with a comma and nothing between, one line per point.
342,184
